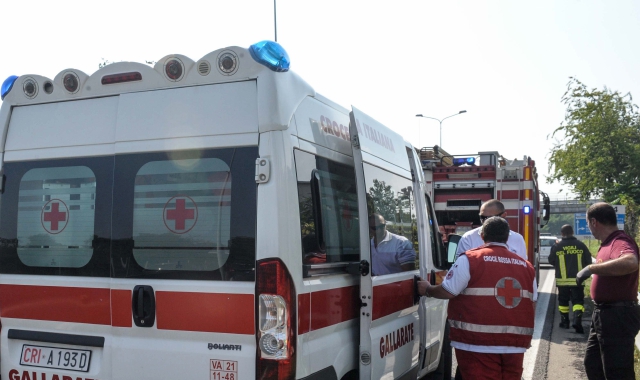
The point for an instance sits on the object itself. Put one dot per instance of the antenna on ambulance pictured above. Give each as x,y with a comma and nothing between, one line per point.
275,21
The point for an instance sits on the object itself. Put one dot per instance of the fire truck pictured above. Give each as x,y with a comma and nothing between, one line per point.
459,184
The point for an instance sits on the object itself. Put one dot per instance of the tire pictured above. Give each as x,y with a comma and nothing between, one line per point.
443,372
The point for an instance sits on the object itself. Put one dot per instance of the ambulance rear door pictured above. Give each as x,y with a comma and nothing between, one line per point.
184,228
389,321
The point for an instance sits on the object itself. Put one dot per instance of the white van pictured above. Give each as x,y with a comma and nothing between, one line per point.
546,242
207,220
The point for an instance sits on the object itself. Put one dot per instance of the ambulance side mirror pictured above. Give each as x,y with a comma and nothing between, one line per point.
452,247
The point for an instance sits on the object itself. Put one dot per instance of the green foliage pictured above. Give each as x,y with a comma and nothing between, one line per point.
556,221
383,200
597,147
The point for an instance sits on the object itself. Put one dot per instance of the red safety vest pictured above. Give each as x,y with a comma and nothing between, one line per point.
496,308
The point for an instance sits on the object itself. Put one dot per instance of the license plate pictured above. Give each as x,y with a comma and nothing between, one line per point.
54,357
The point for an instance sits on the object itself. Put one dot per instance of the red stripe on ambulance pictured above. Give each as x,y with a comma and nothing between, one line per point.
391,298
184,311
121,308
56,303
207,312
326,308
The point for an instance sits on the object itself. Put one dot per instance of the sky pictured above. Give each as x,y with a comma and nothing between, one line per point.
507,63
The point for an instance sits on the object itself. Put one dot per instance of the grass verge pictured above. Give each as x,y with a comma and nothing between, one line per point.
636,362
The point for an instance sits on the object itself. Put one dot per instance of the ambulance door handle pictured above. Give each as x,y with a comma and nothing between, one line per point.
143,306
140,301
433,277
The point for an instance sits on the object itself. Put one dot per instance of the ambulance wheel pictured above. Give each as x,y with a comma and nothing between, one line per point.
443,372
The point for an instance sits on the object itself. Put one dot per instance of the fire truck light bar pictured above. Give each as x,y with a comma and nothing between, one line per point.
466,185
464,160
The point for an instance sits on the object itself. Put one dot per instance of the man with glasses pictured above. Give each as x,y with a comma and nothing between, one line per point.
472,239
390,253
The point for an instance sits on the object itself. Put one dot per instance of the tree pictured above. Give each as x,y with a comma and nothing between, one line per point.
382,200
597,147
556,221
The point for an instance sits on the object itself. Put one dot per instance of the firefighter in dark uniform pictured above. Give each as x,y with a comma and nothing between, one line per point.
569,256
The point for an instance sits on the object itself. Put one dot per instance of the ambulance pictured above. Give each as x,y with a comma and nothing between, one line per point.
209,220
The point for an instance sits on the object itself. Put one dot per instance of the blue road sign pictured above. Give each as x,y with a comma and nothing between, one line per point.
581,227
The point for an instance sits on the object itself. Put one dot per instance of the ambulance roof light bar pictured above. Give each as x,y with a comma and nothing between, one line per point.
271,55
7,85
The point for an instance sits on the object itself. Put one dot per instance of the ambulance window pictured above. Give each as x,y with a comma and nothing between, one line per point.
194,197
190,212
56,210
55,217
328,210
392,221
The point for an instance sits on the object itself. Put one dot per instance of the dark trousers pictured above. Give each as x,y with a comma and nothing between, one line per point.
479,366
573,293
609,353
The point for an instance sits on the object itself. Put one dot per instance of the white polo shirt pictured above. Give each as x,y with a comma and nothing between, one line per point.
390,254
472,239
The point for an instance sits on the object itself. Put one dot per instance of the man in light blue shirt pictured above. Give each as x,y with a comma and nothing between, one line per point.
390,253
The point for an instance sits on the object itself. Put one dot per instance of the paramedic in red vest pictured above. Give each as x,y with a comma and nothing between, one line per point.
614,290
491,312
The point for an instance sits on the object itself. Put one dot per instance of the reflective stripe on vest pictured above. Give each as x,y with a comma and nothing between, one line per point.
566,282
494,329
492,292
563,267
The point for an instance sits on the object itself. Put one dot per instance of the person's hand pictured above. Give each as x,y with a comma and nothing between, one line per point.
583,275
423,288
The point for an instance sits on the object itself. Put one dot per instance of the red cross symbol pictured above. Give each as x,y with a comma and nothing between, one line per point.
511,292
54,216
180,214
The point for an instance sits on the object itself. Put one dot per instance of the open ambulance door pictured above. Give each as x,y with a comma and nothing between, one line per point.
389,316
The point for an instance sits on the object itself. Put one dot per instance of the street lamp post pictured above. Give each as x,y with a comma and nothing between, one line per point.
440,121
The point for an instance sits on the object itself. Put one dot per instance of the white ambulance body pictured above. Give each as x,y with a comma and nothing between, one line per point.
207,220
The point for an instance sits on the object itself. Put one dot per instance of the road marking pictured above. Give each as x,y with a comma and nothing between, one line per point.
544,293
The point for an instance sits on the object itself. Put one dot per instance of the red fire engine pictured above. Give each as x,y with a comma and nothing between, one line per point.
459,184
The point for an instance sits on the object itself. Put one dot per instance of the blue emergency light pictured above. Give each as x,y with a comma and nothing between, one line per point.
270,54
7,85
464,160
527,209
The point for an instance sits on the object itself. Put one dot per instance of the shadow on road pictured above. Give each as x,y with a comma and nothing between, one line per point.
566,348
